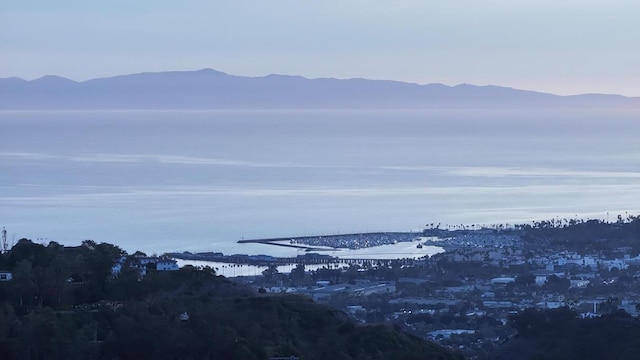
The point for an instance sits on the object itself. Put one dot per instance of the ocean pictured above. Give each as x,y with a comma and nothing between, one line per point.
162,181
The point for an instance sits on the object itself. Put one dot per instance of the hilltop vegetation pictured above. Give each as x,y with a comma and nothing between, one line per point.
590,236
64,303
559,334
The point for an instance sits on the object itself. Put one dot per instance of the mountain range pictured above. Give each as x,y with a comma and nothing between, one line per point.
211,89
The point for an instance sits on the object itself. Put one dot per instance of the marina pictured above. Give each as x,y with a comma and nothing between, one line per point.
364,250
338,241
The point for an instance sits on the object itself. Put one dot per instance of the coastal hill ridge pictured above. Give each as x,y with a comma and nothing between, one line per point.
211,89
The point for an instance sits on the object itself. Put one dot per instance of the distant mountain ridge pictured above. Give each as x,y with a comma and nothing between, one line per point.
211,89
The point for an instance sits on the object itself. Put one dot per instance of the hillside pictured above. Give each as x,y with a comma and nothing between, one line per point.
558,334
63,303
210,89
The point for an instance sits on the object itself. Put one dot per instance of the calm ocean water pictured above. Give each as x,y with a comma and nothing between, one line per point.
201,180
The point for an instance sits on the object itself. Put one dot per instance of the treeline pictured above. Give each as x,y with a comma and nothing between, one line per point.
55,276
560,334
64,303
588,236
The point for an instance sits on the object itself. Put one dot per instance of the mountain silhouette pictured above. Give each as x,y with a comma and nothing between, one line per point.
211,89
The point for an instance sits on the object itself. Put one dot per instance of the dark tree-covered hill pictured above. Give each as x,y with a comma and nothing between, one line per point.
559,334
64,303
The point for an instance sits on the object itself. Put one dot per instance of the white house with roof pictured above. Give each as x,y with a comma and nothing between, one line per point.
117,267
161,263
166,264
141,263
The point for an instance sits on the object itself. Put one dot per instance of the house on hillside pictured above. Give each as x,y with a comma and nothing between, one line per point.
5,275
143,263
159,263
166,264
117,267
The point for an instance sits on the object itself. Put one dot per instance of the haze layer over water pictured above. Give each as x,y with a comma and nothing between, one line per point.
201,180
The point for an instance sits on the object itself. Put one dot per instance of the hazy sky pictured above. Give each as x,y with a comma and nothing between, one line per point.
560,46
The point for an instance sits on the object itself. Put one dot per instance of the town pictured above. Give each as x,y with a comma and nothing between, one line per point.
485,289
465,297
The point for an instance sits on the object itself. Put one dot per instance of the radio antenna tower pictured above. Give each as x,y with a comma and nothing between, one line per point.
5,246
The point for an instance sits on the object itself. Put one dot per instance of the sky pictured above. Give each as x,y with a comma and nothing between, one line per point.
562,47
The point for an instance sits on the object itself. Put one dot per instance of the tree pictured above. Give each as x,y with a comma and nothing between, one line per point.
352,273
297,274
556,284
525,280
99,260
270,272
25,249
332,275
24,283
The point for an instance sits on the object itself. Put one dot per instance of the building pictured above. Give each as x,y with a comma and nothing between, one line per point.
447,333
160,263
502,280
166,264
142,263
5,275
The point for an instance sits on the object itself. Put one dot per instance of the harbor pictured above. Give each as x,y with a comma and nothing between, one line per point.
362,249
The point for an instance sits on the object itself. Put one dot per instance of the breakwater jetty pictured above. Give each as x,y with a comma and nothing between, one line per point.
338,241
313,245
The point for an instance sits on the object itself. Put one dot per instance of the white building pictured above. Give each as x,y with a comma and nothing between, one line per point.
502,280
141,262
165,264
161,263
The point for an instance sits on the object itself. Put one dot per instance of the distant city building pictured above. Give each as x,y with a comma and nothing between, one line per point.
502,280
447,333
